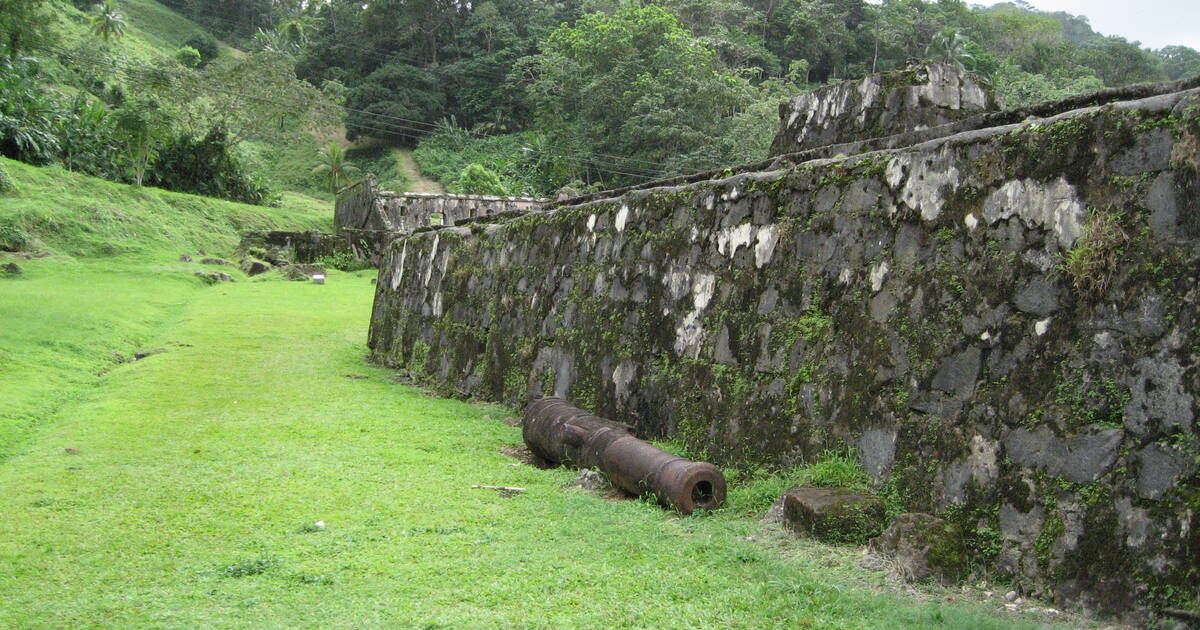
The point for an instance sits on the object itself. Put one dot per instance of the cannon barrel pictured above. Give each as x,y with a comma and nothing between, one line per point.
560,432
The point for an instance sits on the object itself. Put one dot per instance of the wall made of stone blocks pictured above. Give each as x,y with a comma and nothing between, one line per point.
1003,324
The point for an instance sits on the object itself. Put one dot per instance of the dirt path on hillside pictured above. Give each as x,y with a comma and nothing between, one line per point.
420,183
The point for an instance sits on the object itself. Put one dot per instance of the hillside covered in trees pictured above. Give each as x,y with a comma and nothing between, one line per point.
580,94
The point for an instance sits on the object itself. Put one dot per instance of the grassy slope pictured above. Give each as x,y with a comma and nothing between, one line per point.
113,283
83,216
152,30
200,472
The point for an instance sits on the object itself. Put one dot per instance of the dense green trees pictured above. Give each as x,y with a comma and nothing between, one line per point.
23,26
633,84
542,94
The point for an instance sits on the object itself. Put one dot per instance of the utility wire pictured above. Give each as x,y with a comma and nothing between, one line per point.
382,126
622,161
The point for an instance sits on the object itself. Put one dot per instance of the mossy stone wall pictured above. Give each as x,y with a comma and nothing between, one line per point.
1003,323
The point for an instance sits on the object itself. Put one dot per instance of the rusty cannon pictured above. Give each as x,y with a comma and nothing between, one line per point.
559,432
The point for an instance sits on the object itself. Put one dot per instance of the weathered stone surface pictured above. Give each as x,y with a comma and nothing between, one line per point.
917,97
214,277
285,248
1039,296
1080,459
217,261
11,269
1159,401
924,547
365,207
253,267
836,515
877,451
1159,468
591,480
302,272
957,374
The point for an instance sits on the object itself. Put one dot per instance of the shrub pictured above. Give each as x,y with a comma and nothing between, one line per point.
6,184
206,45
12,238
344,261
477,180
1094,260
188,57
206,166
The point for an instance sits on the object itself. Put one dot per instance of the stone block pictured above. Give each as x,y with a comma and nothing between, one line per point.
303,272
214,277
253,267
924,547
834,515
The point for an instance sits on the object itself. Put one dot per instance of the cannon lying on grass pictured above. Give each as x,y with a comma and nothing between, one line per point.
559,432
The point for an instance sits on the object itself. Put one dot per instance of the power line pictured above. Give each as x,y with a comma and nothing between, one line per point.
382,126
651,167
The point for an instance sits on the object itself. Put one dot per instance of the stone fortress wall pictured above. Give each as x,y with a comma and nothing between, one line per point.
363,207
999,314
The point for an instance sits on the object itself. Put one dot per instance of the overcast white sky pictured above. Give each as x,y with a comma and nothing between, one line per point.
1155,23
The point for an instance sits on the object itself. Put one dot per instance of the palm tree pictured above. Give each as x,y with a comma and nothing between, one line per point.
334,167
950,47
108,22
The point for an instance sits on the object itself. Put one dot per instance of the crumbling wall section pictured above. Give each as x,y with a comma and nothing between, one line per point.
1002,323
363,207
879,105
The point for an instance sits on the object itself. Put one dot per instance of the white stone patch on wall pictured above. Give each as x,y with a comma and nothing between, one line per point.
868,91
591,223
702,290
1041,327
982,460
433,252
1054,206
878,275
622,217
845,276
971,221
623,377
689,333
687,336
895,170
678,284
437,304
730,239
764,251
923,189
398,275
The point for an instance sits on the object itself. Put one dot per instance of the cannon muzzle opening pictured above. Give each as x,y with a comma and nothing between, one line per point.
562,433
